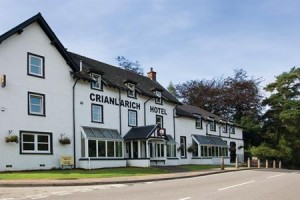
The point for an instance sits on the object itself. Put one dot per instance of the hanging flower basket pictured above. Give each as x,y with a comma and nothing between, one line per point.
64,140
192,149
11,138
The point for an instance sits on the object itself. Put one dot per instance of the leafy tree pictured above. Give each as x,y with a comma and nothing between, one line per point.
232,97
172,90
282,119
129,65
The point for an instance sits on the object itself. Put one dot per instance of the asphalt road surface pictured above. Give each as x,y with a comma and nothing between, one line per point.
242,185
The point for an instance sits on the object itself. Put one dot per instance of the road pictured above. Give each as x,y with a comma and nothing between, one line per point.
249,184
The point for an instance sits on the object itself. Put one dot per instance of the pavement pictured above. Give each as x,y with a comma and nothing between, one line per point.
117,180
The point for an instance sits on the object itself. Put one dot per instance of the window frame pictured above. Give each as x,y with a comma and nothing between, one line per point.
225,128
136,118
212,125
107,156
43,104
92,113
171,150
98,77
198,117
42,58
162,120
35,142
183,152
232,130
158,98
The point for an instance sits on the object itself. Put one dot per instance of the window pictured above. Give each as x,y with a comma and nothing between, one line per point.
97,84
35,65
212,125
97,113
36,142
36,104
198,122
132,118
213,151
159,121
183,144
171,150
158,98
131,92
232,130
157,149
105,149
224,128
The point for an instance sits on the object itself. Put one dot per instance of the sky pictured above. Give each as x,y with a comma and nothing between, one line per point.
180,39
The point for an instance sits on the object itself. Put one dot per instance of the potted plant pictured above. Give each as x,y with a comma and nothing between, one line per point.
11,138
64,139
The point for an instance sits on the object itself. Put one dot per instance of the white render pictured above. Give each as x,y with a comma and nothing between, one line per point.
57,86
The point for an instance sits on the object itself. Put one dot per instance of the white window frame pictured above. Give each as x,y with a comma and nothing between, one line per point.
198,122
97,85
42,104
131,92
106,148
100,114
212,125
132,117
161,123
30,65
36,143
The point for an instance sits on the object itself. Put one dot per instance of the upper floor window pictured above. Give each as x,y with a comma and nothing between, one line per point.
158,98
131,92
132,118
35,65
224,128
212,125
198,122
159,121
36,104
97,113
36,142
231,130
97,84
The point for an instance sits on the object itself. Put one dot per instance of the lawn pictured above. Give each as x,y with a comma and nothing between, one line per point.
77,173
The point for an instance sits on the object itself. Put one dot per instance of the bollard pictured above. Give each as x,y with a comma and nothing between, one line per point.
248,162
267,164
236,163
222,163
279,164
258,163
274,164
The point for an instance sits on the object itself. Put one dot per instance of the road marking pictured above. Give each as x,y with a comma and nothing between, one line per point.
276,175
236,185
185,198
149,182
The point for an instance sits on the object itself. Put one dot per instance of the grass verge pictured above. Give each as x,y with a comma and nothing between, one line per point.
200,167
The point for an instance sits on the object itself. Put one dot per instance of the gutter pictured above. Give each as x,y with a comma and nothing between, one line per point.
174,127
74,128
120,112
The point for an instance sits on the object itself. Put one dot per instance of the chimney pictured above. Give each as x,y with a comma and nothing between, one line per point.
152,74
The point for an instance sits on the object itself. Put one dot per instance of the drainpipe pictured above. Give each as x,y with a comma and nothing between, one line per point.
145,110
74,129
174,121
120,113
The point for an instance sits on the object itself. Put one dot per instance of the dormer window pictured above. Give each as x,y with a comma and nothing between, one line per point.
198,122
96,84
131,92
231,130
212,125
224,128
158,98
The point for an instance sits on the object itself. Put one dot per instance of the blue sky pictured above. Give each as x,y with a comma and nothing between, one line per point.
181,39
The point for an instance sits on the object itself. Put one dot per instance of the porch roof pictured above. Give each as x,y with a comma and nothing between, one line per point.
170,139
210,140
101,133
142,132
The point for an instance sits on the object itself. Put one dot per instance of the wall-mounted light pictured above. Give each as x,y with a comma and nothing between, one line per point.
3,80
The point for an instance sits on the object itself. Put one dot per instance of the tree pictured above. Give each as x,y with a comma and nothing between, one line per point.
129,65
232,97
282,119
172,90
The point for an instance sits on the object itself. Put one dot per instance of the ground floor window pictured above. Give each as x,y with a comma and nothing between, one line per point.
105,148
213,151
36,142
171,150
157,149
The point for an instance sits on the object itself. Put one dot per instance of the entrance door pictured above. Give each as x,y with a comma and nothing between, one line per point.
232,150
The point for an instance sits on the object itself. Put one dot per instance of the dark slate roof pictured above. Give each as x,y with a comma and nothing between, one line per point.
117,77
193,111
101,133
210,140
142,132
46,28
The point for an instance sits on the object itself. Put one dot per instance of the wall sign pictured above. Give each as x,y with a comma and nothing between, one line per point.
114,101
158,110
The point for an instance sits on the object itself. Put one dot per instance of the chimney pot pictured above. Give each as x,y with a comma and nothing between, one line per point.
152,74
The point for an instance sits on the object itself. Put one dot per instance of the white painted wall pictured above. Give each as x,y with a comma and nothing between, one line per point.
13,98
